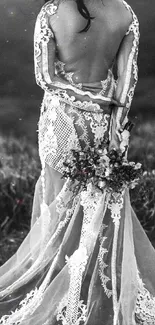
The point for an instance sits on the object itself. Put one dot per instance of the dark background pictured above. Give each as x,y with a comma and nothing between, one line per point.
20,98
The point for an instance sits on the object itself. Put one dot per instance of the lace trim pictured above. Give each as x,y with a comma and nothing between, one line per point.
90,200
89,106
99,125
47,137
145,306
60,68
82,312
102,265
42,37
77,262
80,126
105,82
115,205
12,319
65,203
57,134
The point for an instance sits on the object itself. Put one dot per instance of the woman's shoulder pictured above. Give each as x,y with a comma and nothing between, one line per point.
128,15
130,12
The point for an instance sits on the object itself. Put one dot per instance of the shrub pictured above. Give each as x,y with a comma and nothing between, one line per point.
19,170
143,202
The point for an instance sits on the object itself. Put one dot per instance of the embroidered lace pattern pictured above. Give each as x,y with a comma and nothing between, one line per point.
57,134
76,263
42,36
11,319
60,68
68,311
80,126
115,205
90,200
145,305
99,124
102,265
81,316
62,127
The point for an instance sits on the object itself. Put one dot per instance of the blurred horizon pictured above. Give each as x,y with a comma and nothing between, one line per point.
20,98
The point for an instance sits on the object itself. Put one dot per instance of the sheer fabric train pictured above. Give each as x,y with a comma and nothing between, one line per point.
86,259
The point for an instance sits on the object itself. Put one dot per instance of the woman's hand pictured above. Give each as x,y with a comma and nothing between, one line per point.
115,141
116,130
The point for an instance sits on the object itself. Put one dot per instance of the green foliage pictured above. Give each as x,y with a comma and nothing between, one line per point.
19,170
142,150
143,202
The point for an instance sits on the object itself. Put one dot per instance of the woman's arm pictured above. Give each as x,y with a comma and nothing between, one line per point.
44,59
127,73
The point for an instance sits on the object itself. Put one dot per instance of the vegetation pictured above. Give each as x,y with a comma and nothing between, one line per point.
143,196
20,169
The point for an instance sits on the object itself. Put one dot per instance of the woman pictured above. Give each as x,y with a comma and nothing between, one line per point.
86,259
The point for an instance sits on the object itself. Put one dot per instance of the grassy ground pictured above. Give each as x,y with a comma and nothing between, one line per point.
20,168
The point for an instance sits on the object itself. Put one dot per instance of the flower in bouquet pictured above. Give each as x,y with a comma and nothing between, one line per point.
103,169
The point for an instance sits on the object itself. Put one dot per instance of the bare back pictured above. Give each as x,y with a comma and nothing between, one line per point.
90,54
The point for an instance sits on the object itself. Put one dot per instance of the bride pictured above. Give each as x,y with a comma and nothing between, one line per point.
86,259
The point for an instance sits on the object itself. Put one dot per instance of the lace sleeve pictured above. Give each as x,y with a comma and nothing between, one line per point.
127,69
43,40
45,51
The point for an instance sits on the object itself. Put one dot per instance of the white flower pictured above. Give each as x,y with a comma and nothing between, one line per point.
105,151
132,185
138,166
125,140
125,135
132,163
107,172
89,187
101,184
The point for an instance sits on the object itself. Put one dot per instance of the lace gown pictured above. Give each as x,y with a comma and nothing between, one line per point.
86,259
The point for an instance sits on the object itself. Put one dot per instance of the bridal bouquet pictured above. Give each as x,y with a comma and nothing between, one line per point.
104,169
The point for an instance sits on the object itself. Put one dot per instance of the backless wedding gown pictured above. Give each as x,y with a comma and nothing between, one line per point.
86,259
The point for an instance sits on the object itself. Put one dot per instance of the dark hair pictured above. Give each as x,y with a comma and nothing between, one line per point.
84,13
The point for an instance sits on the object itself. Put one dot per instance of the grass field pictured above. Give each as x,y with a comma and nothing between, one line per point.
20,168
